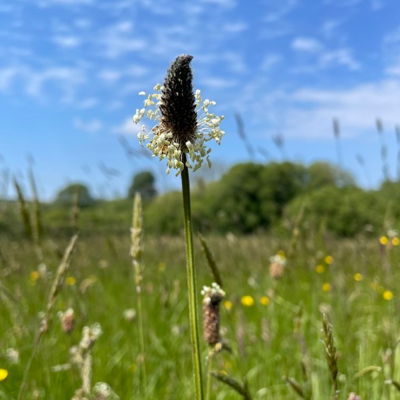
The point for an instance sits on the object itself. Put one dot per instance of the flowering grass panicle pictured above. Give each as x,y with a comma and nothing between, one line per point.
184,122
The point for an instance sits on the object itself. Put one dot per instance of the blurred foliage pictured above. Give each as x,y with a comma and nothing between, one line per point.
248,198
75,193
143,182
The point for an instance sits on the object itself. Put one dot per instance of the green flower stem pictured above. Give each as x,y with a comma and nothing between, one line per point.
191,275
209,369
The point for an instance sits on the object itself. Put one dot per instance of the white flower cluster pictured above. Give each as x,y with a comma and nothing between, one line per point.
212,293
89,335
278,259
161,143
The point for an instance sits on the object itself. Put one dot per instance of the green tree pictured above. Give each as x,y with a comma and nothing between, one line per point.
321,174
280,183
68,195
143,183
344,211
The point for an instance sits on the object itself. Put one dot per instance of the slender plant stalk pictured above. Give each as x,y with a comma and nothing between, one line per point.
211,261
23,210
208,381
55,289
37,228
136,253
191,275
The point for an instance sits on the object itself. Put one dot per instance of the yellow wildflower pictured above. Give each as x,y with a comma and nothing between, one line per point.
319,269
326,287
3,374
383,240
387,295
328,260
247,301
264,300
228,305
395,241
358,277
34,275
281,253
71,281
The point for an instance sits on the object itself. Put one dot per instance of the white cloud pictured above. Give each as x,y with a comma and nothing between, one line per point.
270,61
123,26
66,78
136,70
283,8
88,103
109,76
7,76
329,28
377,5
217,83
50,3
221,3
82,23
234,61
126,128
311,111
394,67
67,41
117,41
342,57
235,27
89,127
306,44
343,3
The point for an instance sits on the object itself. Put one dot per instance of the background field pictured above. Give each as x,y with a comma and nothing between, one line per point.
278,336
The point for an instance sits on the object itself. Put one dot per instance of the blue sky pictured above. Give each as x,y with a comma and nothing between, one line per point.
70,71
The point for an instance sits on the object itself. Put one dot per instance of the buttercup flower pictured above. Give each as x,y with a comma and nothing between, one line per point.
387,295
3,374
184,123
247,301
326,287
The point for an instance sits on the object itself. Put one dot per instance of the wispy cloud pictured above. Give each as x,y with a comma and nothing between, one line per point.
118,40
110,76
306,44
235,27
67,41
126,128
50,3
66,78
92,126
281,9
342,57
7,76
88,103
311,111
325,58
270,61
217,83
221,3
330,27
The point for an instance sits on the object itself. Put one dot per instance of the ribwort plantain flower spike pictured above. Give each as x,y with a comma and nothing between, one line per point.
184,122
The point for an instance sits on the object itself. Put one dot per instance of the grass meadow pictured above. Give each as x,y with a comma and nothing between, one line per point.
272,324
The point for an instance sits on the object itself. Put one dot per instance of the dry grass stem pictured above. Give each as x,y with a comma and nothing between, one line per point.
211,261
242,389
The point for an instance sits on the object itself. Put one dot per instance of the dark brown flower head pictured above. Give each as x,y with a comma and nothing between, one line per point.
212,297
178,105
